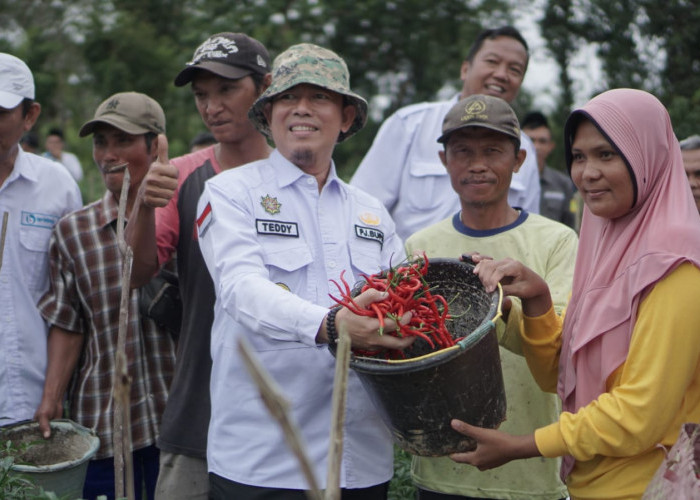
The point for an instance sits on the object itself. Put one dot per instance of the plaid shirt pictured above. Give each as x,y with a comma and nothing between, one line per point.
85,294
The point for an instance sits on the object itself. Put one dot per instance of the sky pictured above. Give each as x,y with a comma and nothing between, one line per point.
542,77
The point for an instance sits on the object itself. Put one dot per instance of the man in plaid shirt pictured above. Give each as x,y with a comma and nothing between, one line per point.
82,304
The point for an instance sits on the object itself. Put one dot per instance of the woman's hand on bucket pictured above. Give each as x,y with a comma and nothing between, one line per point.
516,280
364,330
493,447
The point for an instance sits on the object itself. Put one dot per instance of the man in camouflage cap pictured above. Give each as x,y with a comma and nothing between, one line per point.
273,234
313,65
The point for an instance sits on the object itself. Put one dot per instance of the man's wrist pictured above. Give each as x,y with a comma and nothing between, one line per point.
331,331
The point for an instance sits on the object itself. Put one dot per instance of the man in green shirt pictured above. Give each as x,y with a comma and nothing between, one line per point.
481,138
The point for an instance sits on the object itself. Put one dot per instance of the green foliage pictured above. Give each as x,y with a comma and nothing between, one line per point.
644,44
81,51
398,52
401,486
14,486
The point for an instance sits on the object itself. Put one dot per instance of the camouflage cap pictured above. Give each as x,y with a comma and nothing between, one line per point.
130,112
481,111
310,64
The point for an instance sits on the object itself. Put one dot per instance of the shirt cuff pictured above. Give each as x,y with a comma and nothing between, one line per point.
538,330
550,442
313,318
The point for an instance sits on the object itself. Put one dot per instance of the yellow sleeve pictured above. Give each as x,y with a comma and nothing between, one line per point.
541,341
649,390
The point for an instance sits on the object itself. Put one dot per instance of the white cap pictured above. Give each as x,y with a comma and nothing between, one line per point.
16,81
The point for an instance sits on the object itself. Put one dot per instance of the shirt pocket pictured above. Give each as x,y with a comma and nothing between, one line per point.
365,258
34,260
287,264
428,184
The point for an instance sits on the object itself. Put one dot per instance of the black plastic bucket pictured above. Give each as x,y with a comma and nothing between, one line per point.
419,395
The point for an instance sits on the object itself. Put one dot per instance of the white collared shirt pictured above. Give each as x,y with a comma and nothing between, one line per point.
272,242
402,168
37,193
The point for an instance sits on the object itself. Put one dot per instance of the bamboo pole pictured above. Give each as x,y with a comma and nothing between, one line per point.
278,407
340,389
121,383
5,216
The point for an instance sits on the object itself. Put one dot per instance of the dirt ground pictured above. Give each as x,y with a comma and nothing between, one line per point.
64,445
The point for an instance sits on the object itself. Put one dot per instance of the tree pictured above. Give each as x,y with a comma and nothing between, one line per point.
641,44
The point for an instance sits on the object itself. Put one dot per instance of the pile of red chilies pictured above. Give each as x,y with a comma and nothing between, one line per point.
408,291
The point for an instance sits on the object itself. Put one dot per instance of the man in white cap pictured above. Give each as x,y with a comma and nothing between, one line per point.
34,194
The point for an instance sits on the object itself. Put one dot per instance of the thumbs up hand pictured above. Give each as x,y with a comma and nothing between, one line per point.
160,183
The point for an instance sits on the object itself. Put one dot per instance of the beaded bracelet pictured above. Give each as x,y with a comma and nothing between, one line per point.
331,332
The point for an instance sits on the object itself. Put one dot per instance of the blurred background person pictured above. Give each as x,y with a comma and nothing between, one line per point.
30,142
690,150
557,191
201,141
54,145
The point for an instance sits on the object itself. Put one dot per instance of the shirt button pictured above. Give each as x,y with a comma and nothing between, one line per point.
331,264
310,180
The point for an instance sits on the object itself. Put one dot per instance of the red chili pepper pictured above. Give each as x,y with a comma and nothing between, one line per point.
407,291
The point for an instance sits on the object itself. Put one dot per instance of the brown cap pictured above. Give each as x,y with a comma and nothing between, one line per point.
230,55
481,111
130,112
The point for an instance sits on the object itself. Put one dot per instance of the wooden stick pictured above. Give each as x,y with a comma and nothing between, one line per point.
278,407
121,384
5,215
340,389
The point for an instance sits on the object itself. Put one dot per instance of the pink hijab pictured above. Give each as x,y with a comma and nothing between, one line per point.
620,260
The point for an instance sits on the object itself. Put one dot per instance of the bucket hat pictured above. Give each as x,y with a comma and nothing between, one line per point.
310,64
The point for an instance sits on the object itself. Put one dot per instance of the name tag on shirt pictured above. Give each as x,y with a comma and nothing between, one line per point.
278,228
369,233
35,219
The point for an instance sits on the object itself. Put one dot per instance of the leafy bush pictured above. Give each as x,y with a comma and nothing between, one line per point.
401,486
14,486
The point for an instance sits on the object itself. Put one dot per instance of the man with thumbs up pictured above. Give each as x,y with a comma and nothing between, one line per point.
227,74
81,304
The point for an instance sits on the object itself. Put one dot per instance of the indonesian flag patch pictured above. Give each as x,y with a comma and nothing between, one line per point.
204,220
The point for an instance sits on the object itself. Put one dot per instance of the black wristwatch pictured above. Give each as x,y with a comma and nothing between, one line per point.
331,332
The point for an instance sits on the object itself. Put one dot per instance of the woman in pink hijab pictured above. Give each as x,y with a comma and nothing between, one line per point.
625,359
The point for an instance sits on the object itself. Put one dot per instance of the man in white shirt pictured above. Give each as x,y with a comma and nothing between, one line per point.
273,233
403,169
34,194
